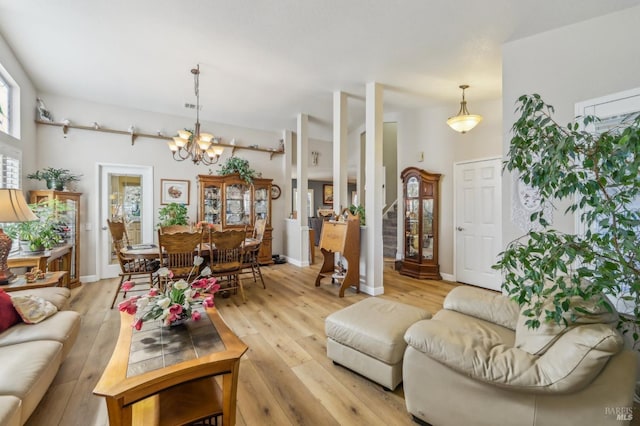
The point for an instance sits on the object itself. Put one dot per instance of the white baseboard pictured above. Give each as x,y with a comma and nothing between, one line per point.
89,279
370,290
296,262
448,277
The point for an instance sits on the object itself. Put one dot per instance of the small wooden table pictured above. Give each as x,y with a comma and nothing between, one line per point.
148,383
51,279
45,260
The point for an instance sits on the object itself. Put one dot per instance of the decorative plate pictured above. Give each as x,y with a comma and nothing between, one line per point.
275,192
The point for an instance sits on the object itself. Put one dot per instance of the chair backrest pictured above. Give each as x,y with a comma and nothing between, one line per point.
118,231
172,229
258,228
228,246
178,249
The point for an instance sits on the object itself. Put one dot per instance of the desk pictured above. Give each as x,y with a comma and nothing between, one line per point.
51,279
172,389
45,260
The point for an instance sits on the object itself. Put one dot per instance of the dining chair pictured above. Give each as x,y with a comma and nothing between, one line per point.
226,257
250,264
172,229
177,251
130,267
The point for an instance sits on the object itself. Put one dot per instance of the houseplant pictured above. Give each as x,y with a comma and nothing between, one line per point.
240,166
597,176
55,178
44,233
173,214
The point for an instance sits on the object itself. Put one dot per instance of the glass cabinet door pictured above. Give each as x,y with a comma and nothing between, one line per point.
261,202
238,205
412,219
427,229
211,204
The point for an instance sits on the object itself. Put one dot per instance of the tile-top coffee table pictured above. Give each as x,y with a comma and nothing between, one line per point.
167,375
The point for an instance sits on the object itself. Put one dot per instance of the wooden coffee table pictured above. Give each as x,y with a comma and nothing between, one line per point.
170,376
51,279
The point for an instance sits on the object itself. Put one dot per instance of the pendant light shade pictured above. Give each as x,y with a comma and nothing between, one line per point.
463,121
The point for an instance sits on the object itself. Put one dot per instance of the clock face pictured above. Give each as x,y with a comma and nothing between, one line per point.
275,192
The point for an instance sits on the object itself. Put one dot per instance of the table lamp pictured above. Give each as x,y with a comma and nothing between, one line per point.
13,208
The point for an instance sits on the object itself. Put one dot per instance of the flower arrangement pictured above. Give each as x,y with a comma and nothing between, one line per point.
174,301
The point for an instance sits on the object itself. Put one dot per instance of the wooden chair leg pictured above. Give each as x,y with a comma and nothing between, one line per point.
239,284
257,266
115,296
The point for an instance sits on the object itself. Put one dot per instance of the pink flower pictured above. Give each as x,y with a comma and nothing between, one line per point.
195,315
201,283
196,295
208,302
127,285
175,309
137,324
213,288
129,306
153,292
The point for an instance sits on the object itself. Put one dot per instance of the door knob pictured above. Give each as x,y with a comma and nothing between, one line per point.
104,228
460,228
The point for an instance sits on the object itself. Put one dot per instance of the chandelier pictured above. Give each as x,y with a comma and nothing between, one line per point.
197,147
463,121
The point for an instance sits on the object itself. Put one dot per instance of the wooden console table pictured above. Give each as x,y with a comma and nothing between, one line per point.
148,382
56,259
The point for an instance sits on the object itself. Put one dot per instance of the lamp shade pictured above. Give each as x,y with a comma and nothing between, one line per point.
464,123
13,206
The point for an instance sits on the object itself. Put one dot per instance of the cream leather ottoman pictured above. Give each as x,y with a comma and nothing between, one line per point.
368,338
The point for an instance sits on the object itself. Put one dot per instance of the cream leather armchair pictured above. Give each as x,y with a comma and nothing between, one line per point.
476,363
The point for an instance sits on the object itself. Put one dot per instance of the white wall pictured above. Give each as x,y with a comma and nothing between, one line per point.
565,66
82,149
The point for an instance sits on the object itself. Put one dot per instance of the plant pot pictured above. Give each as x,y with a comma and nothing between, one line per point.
55,184
25,248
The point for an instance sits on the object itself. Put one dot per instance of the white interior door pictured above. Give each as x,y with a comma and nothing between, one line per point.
478,221
126,193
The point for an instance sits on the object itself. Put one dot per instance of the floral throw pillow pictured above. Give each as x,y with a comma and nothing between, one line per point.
33,309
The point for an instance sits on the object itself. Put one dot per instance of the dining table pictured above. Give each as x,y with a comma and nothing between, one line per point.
152,251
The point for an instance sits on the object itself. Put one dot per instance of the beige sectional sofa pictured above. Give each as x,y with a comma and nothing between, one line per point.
475,362
31,354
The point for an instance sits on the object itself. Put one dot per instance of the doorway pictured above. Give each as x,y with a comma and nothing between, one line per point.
478,221
126,194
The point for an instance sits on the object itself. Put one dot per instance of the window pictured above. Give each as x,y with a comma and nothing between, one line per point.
5,93
10,159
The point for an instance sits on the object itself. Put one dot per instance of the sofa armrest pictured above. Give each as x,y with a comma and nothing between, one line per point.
483,304
569,365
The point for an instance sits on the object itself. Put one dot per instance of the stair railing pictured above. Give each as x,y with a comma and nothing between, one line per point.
386,209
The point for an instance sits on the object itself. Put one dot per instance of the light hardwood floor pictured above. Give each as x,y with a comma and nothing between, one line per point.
285,376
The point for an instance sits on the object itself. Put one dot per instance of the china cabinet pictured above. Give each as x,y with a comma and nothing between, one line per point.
421,198
71,217
232,203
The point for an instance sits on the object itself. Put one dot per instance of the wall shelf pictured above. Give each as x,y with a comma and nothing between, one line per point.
134,135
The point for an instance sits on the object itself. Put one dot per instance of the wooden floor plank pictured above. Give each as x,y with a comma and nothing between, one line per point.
285,377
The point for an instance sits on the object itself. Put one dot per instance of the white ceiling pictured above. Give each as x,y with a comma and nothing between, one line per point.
263,62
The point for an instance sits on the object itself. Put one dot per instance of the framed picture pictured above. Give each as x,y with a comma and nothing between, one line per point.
327,194
174,191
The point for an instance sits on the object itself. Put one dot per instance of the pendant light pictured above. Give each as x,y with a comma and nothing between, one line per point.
463,121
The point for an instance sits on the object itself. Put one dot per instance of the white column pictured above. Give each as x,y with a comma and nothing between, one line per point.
374,186
303,186
340,152
287,192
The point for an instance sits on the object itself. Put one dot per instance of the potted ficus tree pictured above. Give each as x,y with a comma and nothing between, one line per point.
597,176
